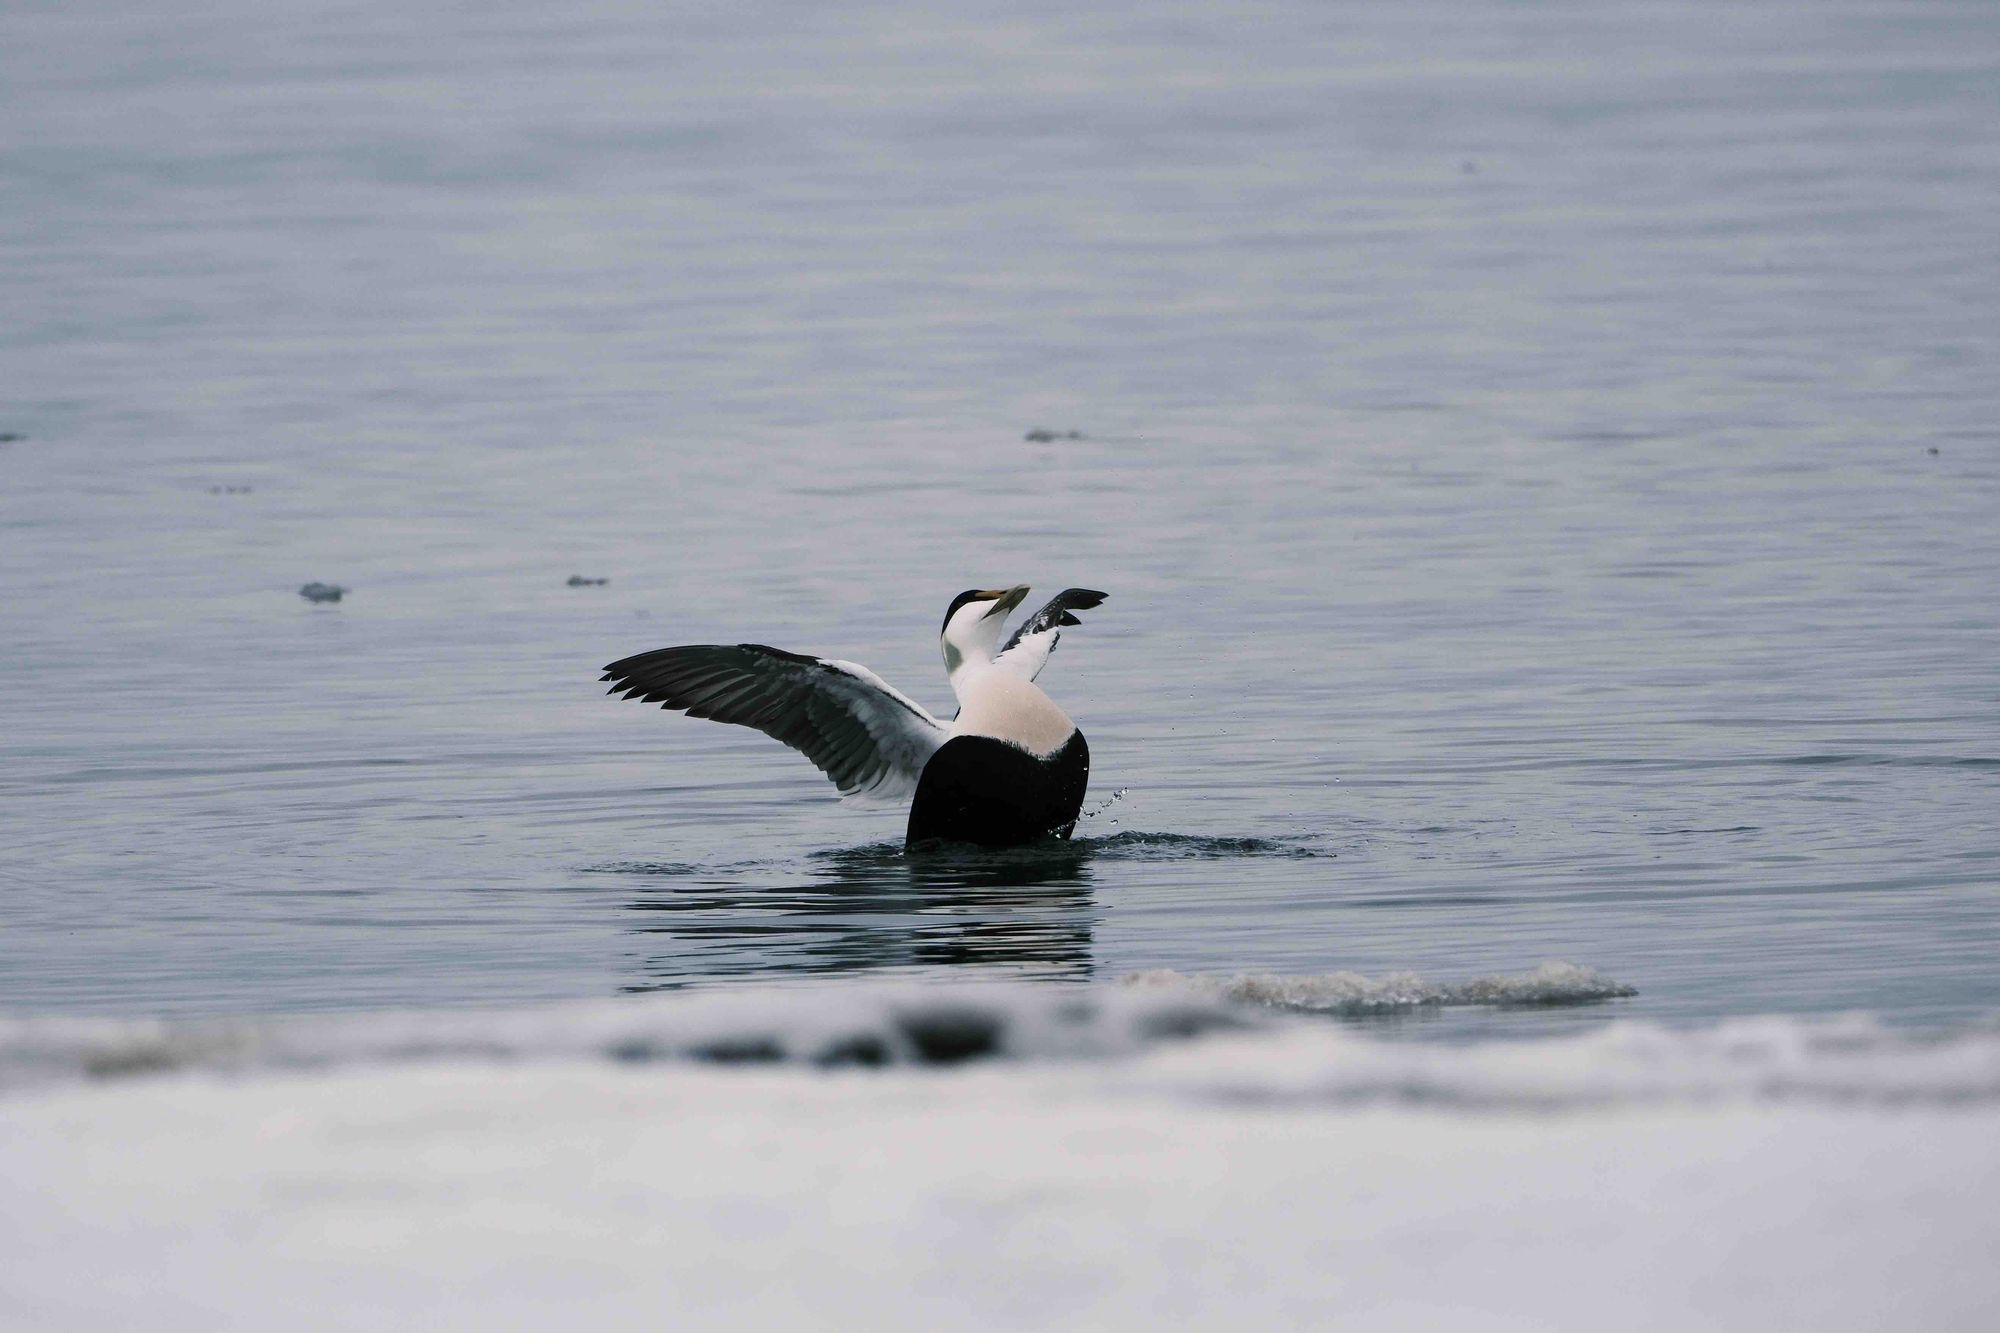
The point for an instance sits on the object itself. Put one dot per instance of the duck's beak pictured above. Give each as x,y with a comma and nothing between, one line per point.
1008,600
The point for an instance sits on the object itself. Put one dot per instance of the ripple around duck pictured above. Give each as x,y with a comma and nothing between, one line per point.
1054,854
1139,846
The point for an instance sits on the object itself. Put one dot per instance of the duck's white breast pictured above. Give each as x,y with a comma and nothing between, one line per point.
1002,705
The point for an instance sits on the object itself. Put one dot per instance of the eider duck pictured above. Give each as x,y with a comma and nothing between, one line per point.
1010,768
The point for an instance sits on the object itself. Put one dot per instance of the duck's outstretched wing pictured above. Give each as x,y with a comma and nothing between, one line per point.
1028,651
869,738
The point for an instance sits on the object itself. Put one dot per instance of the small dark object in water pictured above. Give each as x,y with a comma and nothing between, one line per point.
1932,451
1042,435
579,581
322,592
10,437
229,490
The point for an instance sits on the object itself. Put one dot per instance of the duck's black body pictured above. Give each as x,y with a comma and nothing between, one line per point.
995,794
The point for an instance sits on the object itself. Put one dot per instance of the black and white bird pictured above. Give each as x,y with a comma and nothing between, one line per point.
1009,768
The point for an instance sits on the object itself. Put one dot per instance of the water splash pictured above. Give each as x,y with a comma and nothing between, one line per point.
1110,801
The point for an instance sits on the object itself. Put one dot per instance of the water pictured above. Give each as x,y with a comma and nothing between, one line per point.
1508,448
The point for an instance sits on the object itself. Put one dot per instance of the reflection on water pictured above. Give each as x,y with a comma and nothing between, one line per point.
1027,911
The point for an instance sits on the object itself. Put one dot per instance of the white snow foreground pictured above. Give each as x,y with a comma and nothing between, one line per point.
1757,1175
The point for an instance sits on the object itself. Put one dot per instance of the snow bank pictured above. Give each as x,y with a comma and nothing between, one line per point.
539,1170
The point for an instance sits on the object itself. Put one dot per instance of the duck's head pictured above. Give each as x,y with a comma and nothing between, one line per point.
973,622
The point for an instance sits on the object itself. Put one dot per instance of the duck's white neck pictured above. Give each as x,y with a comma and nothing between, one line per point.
971,638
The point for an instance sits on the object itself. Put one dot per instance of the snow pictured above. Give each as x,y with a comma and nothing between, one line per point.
1290,1173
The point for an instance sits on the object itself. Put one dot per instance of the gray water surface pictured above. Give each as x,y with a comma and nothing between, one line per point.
1543,459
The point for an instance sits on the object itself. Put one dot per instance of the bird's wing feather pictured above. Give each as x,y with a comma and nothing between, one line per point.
1027,652
869,738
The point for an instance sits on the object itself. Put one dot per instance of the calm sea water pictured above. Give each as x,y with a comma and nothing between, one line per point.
1543,461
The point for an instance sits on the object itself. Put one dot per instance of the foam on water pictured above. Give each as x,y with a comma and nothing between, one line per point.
1849,1063
1552,983
862,1025
1255,1039
881,1024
